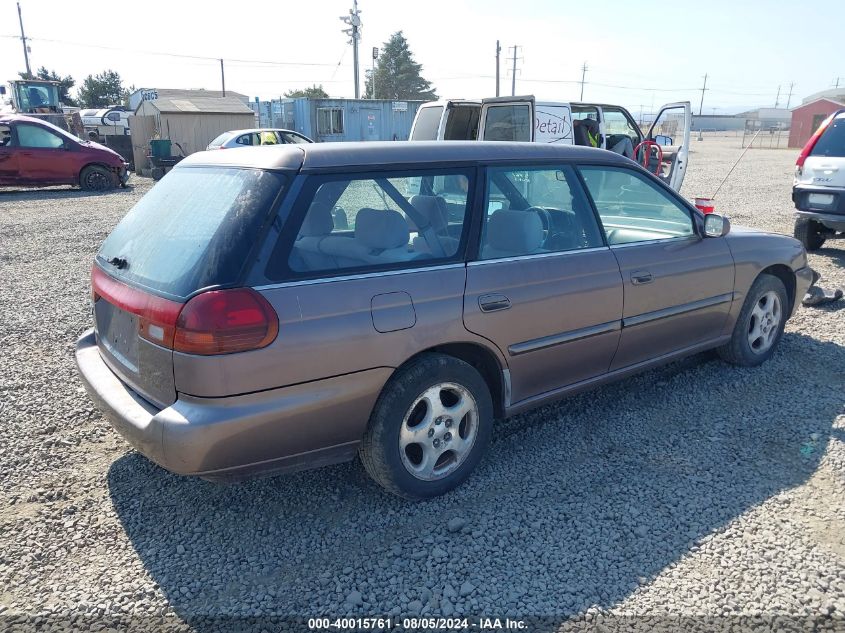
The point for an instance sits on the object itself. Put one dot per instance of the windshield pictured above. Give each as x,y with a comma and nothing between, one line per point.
194,229
832,142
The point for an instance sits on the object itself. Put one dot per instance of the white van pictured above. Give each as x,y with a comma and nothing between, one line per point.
663,151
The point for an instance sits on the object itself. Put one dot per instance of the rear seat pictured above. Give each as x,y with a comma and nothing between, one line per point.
381,236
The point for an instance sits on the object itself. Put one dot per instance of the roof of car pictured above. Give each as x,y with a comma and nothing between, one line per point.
364,154
260,129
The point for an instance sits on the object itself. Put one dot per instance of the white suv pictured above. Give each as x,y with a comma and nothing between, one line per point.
818,190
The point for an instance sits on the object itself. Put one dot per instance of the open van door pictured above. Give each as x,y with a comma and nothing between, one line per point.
671,134
507,119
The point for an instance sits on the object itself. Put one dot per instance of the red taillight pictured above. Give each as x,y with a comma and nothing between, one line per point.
156,316
225,321
214,322
805,151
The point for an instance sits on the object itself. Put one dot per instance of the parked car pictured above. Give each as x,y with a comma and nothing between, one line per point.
818,190
262,136
35,153
240,328
664,151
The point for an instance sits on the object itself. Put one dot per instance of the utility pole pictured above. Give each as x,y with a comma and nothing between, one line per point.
789,98
354,33
222,77
23,40
583,75
513,78
837,82
703,88
777,97
498,50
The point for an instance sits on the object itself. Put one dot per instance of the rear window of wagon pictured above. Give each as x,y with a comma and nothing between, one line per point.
194,229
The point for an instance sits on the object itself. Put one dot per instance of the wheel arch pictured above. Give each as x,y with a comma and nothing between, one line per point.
484,360
787,276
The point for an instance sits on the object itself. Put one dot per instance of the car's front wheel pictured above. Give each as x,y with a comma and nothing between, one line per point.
759,328
96,178
429,428
810,233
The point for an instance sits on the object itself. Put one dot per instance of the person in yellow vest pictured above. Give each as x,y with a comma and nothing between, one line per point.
268,138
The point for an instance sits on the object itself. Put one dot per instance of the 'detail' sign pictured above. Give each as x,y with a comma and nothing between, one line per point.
552,124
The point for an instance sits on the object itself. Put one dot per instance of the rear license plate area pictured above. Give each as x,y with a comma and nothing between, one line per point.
117,333
820,199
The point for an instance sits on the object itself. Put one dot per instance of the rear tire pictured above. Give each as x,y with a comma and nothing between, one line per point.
429,428
760,324
810,233
96,178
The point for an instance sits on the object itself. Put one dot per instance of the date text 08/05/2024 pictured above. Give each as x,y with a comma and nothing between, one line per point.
413,624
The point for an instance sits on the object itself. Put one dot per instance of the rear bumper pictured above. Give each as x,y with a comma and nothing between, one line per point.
801,197
292,428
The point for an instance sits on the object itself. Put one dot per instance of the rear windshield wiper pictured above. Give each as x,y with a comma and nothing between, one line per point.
118,262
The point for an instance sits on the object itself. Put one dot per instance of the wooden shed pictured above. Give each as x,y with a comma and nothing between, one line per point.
807,117
191,124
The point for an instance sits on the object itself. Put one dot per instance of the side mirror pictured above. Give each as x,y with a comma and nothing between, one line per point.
2,90
663,141
716,225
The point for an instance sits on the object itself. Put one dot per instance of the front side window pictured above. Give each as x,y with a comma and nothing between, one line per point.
536,210
508,123
372,222
329,121
36,136
632,209
290,137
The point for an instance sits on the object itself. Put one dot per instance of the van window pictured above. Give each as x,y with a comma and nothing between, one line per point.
194,229
508,123
37,137
462,123
832,142
536,210
427,124
375,221
633,209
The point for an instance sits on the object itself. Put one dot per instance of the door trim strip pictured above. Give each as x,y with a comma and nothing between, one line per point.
564,337
676,310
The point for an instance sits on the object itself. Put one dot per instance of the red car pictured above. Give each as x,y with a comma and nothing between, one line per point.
35,153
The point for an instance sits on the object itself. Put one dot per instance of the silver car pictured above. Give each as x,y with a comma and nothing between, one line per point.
257,136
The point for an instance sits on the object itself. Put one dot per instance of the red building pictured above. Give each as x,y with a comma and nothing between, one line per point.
808,116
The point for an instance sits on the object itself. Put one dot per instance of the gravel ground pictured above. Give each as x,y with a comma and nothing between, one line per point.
697,491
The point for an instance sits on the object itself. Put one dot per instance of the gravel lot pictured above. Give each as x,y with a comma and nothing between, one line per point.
696,491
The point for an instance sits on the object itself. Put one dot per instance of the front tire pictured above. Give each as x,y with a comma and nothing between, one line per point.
760,324
810,233
96,178
429,429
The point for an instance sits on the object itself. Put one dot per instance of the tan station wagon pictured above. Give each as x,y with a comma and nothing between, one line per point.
279,308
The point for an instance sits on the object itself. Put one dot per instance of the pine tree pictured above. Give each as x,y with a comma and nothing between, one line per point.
397,75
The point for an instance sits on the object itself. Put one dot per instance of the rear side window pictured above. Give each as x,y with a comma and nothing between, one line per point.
427,124
194,229
832,142
374,222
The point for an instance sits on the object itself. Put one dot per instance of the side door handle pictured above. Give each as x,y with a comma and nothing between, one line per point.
640,277
493,303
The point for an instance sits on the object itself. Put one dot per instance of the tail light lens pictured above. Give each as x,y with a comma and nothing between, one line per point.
805,151
215,322
225,321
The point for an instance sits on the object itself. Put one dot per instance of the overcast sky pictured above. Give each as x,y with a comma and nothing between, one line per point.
638,53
